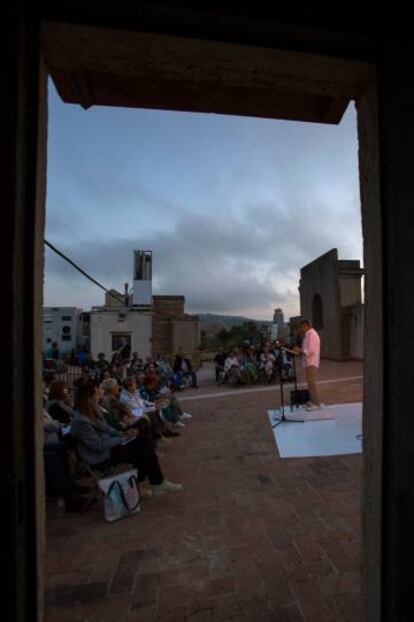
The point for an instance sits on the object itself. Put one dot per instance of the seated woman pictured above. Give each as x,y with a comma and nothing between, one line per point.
101,446
101,364
118,372
59,402
84,377
143,410
232,368
150,383
136,365
131,398
57,471
183,369
119,416
170,408
267,363
248,367
166,372
117,413
160,395
219,361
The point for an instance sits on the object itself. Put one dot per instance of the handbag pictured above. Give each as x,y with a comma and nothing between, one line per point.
121,495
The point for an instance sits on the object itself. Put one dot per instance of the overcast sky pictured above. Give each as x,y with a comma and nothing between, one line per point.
231,207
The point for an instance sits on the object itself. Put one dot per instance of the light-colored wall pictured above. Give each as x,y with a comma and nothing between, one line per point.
53,330
105,323
186,335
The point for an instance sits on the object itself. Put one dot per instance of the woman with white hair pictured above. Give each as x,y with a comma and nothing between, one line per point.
117,414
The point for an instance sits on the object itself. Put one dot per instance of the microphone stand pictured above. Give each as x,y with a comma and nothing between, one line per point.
278,419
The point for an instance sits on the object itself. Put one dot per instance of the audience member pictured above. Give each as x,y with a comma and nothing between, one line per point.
101,446
182,369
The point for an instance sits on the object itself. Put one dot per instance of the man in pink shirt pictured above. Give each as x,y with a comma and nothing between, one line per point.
311,347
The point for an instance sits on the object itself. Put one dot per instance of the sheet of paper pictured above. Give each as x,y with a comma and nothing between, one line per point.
128,440
138,412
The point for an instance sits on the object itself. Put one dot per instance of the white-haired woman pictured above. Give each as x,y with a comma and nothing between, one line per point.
117,414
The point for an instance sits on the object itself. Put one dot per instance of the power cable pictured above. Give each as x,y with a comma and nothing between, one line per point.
94,281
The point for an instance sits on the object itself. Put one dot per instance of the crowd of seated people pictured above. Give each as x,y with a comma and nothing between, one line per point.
250,363
115,413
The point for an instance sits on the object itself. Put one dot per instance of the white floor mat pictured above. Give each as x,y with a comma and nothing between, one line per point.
334,430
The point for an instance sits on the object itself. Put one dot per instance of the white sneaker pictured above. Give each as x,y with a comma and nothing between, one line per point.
166,487
186,416
180,424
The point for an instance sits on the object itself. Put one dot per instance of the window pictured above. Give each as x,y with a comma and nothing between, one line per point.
119,340
66,318
317,312
66,338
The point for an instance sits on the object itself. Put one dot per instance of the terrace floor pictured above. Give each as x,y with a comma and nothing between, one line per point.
253,537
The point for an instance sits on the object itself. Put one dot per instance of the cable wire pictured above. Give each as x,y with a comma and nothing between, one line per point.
72,263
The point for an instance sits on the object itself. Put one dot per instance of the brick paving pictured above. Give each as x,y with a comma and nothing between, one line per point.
252,538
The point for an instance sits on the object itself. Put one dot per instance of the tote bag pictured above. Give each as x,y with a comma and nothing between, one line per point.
121,495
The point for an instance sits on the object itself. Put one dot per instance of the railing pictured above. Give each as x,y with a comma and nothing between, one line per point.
59,370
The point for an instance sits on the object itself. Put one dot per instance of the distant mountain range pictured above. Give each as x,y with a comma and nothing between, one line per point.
228,320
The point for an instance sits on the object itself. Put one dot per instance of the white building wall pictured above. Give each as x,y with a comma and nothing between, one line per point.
105,324
61,325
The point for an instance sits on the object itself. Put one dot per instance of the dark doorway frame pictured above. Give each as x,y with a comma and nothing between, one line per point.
385,130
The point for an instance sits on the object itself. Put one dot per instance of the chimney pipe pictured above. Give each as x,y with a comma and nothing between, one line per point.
126,295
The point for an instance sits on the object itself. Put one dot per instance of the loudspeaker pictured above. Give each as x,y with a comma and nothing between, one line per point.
298,397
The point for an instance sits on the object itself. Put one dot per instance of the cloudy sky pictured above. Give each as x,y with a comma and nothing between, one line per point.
231,207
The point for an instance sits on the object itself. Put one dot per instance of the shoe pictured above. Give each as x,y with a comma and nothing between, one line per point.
313,408
164,441
180,424
170,433
166,487
186,416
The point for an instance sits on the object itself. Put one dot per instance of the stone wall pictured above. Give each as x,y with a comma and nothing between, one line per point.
162,336
172,328
321,277
331,298
355,320
168,306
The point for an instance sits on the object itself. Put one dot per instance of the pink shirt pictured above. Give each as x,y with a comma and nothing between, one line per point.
311,347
